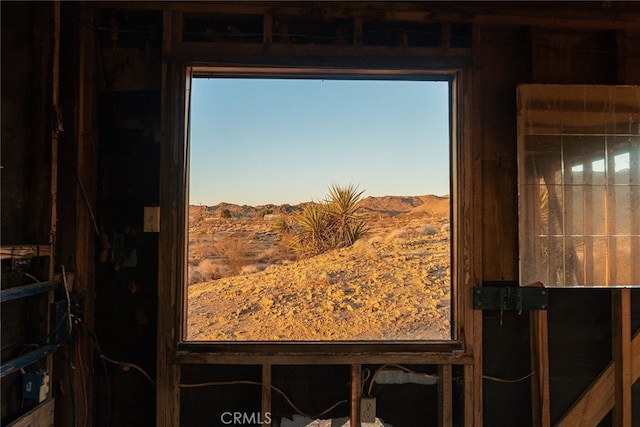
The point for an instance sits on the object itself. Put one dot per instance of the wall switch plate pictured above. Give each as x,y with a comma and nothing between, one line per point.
368,410
151,219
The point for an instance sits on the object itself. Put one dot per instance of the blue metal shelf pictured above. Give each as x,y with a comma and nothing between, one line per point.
25,360
28,290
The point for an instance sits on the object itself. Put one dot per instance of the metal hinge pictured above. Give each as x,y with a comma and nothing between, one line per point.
510,298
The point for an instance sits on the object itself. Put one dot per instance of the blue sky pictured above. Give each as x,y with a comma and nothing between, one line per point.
260,141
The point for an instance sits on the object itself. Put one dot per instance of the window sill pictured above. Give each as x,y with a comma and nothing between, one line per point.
431,352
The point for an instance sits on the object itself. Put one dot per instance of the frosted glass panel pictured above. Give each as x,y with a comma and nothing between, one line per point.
579,185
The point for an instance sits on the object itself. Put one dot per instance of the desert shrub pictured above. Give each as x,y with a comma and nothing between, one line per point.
428,230
397,235
225,213
205,271
282,225
376,240
195,275
262,212
336,222
235,250
365,249
250,269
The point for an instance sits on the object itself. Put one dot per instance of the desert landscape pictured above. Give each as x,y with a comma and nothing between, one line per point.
246,283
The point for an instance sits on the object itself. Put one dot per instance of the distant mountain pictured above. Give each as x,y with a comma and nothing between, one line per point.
394,205
388,205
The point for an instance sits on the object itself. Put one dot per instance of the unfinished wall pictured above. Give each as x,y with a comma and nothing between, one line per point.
26,180
124,173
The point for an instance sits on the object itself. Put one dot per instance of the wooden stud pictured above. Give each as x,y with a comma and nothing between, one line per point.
177,25
55,97
266,393
86,194
471,180
267,29
356,387
357,31
540,402
168,373
621,348
445,396
446,36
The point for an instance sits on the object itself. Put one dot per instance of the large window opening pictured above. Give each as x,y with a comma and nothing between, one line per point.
319,209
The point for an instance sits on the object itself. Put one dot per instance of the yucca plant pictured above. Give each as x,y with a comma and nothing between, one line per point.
334,223
346,221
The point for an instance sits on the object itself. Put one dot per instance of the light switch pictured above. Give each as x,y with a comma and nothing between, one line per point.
151,219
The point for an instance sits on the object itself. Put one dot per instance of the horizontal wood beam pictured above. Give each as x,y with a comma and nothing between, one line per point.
25,251
190,357
290,55
562,17
588,23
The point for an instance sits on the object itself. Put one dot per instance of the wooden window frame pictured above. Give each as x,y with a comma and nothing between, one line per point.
322,351
179,60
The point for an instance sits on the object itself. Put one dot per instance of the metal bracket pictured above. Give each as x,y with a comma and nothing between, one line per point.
510,298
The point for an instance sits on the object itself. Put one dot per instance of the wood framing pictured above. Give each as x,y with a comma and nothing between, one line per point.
622,356
168,373
445,396
178,55
599,399
539,336
266,392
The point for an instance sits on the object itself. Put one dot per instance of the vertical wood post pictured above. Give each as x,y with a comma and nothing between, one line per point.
540,403
621,349
170,238
266,393
267,29
86,193
445,396
356,386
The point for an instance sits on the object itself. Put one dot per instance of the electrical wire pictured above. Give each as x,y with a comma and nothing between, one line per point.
70,368
106,373
403,368
86,201
83,380
31,277
366,374
125,366
508,381
276,389
66,292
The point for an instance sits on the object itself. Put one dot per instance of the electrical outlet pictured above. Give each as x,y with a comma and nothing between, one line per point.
367,409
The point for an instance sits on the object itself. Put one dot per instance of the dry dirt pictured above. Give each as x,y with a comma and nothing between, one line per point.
394,284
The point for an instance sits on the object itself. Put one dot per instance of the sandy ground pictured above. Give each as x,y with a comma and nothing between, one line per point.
392,285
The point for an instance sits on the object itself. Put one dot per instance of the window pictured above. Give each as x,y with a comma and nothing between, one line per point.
579,185
268,156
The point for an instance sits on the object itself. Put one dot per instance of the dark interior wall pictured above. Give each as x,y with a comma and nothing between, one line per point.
579,319
502,61
128,176
25,183
26,88
128,108
504,56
